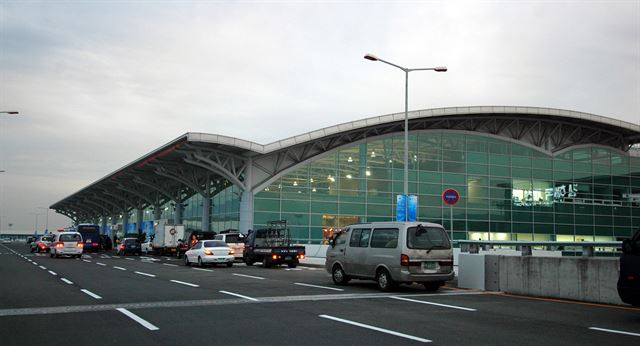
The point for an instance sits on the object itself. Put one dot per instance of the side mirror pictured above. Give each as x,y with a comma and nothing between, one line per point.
332,242
627,246
180,240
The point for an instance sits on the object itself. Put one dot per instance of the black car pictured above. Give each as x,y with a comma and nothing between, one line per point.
130,245
629,280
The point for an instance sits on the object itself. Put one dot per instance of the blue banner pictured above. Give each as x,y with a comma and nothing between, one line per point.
147,228
413,208
131,228
401,207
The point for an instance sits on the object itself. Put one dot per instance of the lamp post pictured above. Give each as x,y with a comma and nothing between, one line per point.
10,112
46,226
406,121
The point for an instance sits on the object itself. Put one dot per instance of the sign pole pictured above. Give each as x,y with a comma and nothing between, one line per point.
451,215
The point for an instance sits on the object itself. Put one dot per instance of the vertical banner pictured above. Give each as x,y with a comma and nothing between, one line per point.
413,208
401,208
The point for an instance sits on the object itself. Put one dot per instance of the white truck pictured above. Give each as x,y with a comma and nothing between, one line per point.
165,240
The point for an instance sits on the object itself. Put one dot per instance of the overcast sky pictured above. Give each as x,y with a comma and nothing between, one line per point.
101,83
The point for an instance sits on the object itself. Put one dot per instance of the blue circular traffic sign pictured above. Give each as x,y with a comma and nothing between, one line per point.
450,196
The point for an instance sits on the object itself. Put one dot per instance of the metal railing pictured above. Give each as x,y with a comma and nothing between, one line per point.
473,246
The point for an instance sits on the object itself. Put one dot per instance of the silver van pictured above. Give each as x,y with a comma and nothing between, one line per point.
391,253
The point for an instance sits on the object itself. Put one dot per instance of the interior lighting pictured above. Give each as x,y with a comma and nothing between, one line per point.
266,188
313,190
295,183
331,179
350,159
349,176
373,154
368,173
311,180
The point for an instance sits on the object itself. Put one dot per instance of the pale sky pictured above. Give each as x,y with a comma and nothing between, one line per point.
100,83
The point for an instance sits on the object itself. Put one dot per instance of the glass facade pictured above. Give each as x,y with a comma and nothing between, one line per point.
509,191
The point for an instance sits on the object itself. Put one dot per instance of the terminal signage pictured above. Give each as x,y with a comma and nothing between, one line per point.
401,208
450,197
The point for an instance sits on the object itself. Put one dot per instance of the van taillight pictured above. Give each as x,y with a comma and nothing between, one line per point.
59,245
404,261
80,244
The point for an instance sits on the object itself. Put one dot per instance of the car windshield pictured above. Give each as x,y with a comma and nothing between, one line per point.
131,241
70,237
421,237
215,243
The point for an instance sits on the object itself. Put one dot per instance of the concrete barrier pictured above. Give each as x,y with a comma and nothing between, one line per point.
577,278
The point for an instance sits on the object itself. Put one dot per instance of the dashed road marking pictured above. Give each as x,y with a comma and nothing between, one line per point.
203,270
316,286
52,273
614,331
378,329
41,267
86,260
432,303
239,295
138,319
170,265
119,268
145,274
91,293
100,264
184,283
67,281
249,276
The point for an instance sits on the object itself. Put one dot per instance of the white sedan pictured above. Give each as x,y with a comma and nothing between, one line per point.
209,251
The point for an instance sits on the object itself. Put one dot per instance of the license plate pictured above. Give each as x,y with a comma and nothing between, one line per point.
288,258
429,265
89,241
220,259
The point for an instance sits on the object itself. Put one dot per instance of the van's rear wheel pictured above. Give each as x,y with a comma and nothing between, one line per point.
339,276
292,264
385,282
248,261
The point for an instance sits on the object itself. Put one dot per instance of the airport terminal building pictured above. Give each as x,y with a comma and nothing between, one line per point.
522,173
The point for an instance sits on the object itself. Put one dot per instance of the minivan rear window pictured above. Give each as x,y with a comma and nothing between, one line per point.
215,243
427,238
233,238
70,237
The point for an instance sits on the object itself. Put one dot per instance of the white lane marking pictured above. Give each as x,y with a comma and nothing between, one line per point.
238,295
184,283
67,281
91,293
41,267
170,265
249,276
614,331
52,273
34,263
145,274
119,268
432,303
100,264
292,269
130,259
138,319
326,288
375,328
86,260
203,270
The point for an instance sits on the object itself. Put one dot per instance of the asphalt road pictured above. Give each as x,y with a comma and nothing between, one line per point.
137,300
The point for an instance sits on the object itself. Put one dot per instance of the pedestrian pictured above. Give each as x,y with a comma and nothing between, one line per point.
194,240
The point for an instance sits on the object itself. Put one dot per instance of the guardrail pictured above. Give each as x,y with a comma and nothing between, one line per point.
473,246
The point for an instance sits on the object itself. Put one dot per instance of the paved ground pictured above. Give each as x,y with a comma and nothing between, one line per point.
108,300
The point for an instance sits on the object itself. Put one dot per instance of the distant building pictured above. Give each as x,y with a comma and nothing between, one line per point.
523,173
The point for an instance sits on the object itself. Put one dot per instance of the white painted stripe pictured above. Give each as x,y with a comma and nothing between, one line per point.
119,268
184,283
91,293
41,267
432,303
138,319
34,263
326,288
407,336
130,259
86,260
614,331
52,273
145,274
238,295
203,270
67,281
170,265
249,276
100,264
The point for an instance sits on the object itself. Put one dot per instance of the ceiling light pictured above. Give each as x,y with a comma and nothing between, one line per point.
373,154
350,159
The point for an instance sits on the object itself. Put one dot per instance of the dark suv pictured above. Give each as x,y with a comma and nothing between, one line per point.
130,245
629,280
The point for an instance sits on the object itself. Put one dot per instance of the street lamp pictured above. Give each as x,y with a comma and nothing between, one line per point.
406,121
46,227
10,112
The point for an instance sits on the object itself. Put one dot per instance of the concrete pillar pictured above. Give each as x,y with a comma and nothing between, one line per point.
125,221
246,200
157,212
206,206
103,225
178,213
139,218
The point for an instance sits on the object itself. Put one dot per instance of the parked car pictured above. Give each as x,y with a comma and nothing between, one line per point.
185,244
235,240
209,252
391,253
629,279
42,244
105,242
129,245
67,244
6,241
